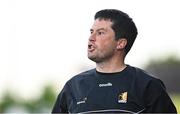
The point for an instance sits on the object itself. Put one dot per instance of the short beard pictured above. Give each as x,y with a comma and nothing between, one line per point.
95,59
100,59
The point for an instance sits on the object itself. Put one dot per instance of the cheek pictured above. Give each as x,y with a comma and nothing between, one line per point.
105,43
107,48
102,46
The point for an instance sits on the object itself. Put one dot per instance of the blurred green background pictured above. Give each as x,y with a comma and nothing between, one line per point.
166,69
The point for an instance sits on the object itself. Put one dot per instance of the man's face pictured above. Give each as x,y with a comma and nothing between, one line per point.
102,43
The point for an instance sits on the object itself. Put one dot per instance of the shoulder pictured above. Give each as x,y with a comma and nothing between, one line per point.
144,79
146,85
142,74
82,76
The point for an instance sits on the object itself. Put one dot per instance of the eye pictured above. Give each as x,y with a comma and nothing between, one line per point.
91,31
100,32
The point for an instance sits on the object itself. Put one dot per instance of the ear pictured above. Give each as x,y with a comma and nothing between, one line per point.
121,43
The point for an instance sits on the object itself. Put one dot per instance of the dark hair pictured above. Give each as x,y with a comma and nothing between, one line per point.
123,25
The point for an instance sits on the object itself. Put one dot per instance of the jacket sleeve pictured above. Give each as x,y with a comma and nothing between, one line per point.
60,105
157,99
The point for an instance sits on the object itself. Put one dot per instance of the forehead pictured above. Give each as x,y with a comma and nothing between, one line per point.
102,23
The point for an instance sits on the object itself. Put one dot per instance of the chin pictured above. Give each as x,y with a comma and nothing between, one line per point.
92,58
95,59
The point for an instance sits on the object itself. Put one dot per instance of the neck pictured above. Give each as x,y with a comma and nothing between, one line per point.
113,65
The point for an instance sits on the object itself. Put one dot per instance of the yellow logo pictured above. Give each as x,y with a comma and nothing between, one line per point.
122,97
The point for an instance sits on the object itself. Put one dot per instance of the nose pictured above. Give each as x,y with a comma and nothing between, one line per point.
92,37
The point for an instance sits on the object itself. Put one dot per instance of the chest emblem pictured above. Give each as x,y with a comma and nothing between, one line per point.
122,97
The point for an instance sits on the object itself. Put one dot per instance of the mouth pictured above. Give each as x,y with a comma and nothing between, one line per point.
91,47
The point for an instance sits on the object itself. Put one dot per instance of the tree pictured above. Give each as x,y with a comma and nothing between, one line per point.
12,103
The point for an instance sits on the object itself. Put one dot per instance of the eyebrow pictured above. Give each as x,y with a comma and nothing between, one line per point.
98,29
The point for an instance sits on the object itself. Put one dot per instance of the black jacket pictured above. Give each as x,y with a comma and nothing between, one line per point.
131,90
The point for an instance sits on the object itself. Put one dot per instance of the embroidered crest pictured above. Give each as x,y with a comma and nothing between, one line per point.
122,97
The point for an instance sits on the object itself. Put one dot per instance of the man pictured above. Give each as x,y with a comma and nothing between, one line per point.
113,86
